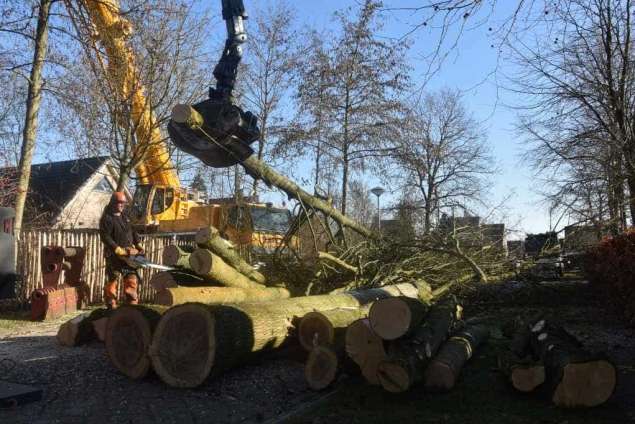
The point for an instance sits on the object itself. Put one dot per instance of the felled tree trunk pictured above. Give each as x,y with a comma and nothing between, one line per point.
178,295
80,329
393,318
209,238
170,279
185,114
365,348
176,256
574,376
194,340
444,369
408,357
128,336
327,328
211,266
525,375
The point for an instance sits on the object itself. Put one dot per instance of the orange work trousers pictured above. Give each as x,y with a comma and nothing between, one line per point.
130,284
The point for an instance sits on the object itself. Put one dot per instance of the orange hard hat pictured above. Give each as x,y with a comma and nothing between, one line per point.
119,197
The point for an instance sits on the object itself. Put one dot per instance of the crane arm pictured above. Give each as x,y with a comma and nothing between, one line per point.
226,132
112,32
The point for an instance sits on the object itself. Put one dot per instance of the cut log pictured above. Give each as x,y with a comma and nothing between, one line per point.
169,279
395,317
208,265
321,367
443,371
525,374
214,338
176,256
211,295
209,238
79,330
99,326
365,348
327,328
128,336
408,357
575,377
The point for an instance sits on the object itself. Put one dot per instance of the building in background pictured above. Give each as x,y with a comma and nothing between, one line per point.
69,194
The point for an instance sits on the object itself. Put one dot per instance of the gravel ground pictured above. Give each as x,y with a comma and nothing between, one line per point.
81,386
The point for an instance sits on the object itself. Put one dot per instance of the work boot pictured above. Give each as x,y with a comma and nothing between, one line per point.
110,294
130,283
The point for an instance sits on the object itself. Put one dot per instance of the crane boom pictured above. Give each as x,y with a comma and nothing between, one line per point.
112,31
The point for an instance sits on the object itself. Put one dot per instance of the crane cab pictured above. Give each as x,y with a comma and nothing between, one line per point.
154,203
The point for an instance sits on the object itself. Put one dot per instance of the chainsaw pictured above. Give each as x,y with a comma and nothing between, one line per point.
140,261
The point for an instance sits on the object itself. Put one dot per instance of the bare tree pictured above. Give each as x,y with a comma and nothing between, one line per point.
33,101
353,94
442,153
124,86
580,81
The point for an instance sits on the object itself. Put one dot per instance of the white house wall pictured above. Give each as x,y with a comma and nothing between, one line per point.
85,208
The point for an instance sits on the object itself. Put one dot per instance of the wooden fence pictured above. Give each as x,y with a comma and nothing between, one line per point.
31,243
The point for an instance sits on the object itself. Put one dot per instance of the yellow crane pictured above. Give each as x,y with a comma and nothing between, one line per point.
159,201
159,195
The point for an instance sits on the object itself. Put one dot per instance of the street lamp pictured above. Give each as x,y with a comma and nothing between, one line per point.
378,191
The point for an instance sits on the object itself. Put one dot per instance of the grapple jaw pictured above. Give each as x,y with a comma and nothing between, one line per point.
225,137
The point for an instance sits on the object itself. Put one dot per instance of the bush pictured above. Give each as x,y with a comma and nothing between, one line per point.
611,266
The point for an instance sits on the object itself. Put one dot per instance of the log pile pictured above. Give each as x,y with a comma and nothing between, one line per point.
213,273
543,357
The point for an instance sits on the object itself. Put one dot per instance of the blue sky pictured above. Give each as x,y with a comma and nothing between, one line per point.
469,68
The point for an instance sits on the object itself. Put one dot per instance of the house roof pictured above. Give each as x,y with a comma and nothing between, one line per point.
53,185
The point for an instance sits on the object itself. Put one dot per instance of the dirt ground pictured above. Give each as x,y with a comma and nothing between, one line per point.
80,385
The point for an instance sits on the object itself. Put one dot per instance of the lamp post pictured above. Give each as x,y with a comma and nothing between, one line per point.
378,191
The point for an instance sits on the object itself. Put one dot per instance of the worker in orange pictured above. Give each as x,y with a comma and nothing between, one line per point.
120,241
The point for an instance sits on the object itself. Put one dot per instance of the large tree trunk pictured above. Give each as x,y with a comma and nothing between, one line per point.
444,369
128,336
209,238
210,266
574,376
408,357
221,336
210,295
327,328
34,98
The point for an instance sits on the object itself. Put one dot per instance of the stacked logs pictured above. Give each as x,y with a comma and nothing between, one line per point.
212,273
195,341
396,342
543,357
